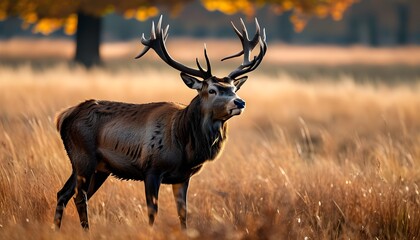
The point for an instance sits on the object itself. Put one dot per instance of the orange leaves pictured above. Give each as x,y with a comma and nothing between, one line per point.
47,16
287,5
30,18
48,25
3,10
339,7
302,9
299,22
321,11
230,7
141,13
70,25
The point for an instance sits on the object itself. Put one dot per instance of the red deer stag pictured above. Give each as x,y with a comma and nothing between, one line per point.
157,142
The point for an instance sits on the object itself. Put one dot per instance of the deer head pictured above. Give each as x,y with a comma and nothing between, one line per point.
218,96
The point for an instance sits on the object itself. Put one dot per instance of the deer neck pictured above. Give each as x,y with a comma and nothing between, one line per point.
200,136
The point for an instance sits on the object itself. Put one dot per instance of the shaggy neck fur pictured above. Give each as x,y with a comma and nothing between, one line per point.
202,137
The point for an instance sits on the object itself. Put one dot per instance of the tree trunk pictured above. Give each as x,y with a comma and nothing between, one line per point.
402,25
353,30
354,25
88,40
372,30
285,27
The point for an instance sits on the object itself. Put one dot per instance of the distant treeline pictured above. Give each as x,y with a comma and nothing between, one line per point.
370,22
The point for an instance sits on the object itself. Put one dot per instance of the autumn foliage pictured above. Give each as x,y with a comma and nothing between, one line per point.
302,9
48,16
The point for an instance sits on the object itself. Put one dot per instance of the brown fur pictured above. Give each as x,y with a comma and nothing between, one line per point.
61,116
156,142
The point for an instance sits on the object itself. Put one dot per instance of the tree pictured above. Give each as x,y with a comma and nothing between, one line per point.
301,10
403,16
80,17
83,17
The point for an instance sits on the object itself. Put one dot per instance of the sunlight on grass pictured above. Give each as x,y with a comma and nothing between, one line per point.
329,158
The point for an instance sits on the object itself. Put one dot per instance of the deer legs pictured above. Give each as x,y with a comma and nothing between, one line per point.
75,184
85,190
82,182
152,183
98,178
63,197
180,195
81,202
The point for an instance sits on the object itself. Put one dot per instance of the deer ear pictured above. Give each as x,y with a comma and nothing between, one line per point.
191,81
238,82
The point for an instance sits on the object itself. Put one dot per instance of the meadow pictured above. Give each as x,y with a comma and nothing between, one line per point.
323,151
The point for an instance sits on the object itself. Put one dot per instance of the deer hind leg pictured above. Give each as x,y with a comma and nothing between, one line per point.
63,197
97,179
85,173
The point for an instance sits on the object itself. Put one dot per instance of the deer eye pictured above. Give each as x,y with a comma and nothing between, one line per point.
212,91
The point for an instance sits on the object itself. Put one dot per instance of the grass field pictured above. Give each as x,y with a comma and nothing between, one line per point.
329,158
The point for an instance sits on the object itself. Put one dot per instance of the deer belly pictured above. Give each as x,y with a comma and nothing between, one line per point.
121,165
180,175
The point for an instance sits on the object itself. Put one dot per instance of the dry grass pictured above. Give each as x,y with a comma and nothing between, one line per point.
186,49
322,160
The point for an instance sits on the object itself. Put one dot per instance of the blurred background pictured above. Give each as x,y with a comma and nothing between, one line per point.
344,22
328,147
343,32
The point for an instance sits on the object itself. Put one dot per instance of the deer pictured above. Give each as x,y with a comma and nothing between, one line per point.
157,143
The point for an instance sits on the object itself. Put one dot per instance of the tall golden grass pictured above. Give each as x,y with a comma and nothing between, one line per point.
326,159
187,49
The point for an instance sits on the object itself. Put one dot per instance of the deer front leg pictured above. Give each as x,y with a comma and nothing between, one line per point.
180,195
152,184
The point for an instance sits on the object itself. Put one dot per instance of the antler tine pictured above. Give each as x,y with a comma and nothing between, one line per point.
249,65
153,31
263,49
244,36
237,31
166,33
233,55
241,38
264,36
159,25
162,33
207,59
157,42
246,44
254,41
207,62
146,43
244,31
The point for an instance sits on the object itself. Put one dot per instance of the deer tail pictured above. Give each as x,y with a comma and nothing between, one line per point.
61,116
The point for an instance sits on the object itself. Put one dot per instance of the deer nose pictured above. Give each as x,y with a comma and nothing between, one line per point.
239,103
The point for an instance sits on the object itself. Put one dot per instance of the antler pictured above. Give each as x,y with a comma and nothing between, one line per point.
248,45
157,42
